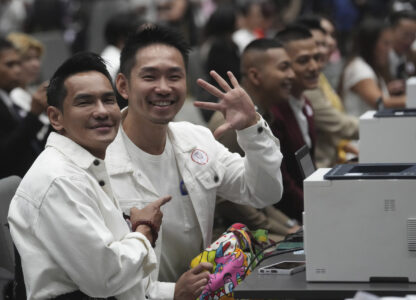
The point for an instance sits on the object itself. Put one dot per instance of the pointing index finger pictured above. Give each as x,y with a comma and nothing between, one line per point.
162,201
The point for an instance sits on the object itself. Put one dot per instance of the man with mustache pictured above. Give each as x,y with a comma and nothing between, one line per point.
65,222
267,76
153,156
293,119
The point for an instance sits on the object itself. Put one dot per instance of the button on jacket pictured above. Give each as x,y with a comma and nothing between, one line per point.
208,169
70,231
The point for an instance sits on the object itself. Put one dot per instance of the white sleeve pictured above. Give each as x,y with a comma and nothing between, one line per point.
73,230
255,179
356,71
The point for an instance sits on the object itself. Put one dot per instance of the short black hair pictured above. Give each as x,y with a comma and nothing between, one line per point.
78,63
263,45
293,32
6,44
397,16
311,22
150,34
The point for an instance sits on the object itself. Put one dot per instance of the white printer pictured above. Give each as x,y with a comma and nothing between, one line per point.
411,92
360,223
388,136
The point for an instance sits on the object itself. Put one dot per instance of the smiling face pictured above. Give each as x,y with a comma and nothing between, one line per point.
276,75
90,115
304,56
156,88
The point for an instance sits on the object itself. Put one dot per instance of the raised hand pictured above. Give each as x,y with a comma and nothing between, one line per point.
234,103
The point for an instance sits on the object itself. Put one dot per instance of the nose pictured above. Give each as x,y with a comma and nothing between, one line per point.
100,111
163,86
290,74
313,65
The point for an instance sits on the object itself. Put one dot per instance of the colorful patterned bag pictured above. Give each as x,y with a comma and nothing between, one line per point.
230,255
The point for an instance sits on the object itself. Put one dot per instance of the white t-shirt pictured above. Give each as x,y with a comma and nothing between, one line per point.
182,237
356,71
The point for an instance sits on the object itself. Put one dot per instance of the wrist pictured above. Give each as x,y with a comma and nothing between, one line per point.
148,227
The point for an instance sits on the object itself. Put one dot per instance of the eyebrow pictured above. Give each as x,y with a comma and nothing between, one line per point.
153,69
87,95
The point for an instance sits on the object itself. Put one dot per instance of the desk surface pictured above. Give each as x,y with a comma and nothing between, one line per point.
261,286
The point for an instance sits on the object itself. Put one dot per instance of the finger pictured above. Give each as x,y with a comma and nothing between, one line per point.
221,130
233,80
210,88
162,201
200,286
204,266
207,105
221,81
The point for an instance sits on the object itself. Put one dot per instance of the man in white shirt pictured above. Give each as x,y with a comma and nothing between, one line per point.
153,156
65,222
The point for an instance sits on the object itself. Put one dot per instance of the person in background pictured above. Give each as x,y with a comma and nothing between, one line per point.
363,81
218,52
67,225
333,126
154,156
402,59
31,51
116,31
267,77
293,120
18,130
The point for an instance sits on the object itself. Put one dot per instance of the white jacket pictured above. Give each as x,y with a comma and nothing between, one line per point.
70,231
208,169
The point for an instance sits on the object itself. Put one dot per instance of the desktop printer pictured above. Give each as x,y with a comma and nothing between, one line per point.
388,136
360,223
411,92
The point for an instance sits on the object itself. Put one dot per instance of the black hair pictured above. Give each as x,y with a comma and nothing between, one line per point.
119,26
6,44
78,63
397,16
150,34
311,22
293,32
365,39
222,21
263,45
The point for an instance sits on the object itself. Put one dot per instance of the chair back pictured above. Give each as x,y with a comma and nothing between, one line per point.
8,188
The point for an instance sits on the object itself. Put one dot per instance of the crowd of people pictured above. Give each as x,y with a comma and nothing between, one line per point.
117,197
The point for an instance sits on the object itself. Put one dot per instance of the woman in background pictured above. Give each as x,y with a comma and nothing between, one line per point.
363,81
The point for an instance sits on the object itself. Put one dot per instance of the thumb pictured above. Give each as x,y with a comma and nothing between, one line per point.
204,266
222,129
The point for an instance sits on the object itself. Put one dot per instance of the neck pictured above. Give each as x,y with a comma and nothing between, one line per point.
149,137
258,98
297,92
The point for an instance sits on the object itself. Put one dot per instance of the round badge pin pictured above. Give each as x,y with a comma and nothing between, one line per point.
199,156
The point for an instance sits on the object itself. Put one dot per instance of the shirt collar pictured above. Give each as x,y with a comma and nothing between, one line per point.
299,103
76,153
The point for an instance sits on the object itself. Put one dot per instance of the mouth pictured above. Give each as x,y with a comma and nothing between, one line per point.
286,85
161,103
102,126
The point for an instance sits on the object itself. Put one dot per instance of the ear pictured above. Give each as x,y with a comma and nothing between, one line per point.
254,76
56,118
122,85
